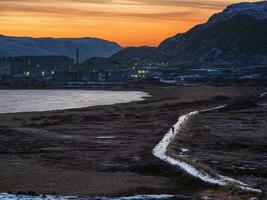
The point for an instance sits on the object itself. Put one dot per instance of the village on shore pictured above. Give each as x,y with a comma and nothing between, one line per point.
62,70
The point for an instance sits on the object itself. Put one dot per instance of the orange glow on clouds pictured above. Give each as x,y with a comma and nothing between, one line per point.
128,22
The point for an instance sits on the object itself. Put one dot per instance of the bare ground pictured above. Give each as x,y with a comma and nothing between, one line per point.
231,142
106,150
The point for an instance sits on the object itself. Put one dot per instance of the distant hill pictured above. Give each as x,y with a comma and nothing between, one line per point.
238,36
132,54
27,46
125,58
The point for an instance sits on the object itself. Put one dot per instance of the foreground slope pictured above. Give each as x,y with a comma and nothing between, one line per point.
107,150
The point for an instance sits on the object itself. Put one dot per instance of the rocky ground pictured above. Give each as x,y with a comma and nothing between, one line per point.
107,150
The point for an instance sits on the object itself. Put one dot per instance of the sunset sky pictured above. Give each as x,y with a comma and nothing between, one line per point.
128,22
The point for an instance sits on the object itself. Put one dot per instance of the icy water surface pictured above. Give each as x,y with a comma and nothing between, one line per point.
13,101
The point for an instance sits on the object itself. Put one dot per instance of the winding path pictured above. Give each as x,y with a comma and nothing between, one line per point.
160,151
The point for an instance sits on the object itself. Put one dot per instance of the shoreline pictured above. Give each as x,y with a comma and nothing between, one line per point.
63,100
111,87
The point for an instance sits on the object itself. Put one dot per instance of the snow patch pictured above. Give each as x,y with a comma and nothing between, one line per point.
262,95
184,150
257,10
105,137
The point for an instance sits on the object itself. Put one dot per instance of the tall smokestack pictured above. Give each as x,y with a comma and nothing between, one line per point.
77,56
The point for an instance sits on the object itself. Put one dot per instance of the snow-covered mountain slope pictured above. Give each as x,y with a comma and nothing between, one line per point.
26,46
257,10
236,36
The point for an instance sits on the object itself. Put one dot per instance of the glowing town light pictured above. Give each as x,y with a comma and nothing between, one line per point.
27,73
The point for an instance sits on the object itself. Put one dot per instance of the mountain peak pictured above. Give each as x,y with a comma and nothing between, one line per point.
236,36
256,10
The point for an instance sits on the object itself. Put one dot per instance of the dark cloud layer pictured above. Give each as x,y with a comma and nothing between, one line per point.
43,7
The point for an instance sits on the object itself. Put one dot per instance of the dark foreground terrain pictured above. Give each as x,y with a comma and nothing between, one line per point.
107,150
232,142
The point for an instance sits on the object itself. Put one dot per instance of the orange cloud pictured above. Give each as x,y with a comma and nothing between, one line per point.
129,22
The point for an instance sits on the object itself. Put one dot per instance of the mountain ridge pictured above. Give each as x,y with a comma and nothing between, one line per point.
235,36
28,46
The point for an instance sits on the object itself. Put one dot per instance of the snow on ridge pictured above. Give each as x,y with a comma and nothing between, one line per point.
257,10
160,151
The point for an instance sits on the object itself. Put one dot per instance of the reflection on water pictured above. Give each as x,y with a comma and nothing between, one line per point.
12,101
5,196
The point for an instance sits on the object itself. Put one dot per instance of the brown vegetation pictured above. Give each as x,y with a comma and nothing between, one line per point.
107,150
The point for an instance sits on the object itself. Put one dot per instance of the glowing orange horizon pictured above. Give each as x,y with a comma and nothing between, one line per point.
128,22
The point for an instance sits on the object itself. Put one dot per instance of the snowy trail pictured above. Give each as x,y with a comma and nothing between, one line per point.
160,151
262,95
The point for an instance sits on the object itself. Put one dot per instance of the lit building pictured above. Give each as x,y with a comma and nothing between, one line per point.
36,66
